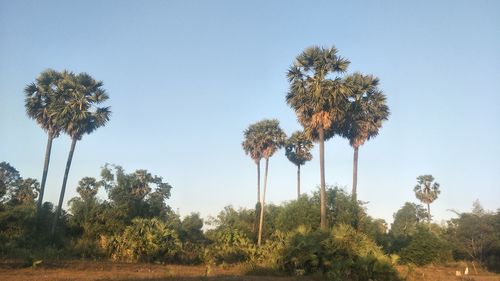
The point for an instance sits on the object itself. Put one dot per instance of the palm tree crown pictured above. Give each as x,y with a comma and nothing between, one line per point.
316,94
367,109
79,115
41,98
298,148
426,190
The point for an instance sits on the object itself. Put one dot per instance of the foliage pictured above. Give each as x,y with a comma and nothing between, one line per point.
138,194
316,94
229,245
407,219
366,111
298,148
145,240
303,211
343,254
476,236
426,247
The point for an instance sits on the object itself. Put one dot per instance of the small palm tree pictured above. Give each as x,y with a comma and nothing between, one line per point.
318,97
427,191
298,151
41,97
253,146
79,115
273,138
366,112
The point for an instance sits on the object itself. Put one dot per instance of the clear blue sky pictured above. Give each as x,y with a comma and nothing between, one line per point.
186,78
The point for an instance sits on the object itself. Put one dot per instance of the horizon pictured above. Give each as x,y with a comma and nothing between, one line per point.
185,80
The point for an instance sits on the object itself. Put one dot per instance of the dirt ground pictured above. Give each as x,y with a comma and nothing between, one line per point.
102,270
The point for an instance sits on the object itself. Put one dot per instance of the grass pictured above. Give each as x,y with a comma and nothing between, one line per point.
110,271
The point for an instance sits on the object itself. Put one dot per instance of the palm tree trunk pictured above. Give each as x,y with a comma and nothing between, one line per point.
298,182
259,240
63,188
355,175
258,181
48,149
429,214
322,192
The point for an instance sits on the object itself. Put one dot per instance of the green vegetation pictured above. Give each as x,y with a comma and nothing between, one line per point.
327,233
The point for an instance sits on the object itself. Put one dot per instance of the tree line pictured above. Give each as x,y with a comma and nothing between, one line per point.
134,222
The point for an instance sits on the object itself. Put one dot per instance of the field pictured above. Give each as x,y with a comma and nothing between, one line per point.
86,271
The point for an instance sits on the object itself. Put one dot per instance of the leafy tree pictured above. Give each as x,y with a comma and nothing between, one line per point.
407,218
476,236
138,194
9,177
273,139
41,98
78,115
303,211
318,97
298,151
366,112
191,228
427,191
426,247
25,191
88,217
241,220
15,190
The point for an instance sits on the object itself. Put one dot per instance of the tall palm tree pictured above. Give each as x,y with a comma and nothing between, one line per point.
273,138
427,191
252,145
366,112
79,115
318,97
41,97
298,151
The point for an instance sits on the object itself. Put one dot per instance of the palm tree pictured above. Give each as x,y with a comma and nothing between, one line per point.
298,151
252,145
318,98
41,97
79,115
273,138
427,191
365,114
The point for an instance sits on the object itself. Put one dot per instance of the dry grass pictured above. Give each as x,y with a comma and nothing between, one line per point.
103,270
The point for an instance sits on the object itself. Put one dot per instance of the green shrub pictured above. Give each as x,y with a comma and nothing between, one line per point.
304,251
426,247
229,246
144,240
342,254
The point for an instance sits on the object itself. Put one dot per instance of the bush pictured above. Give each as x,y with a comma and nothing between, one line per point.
343,254
229,246
426,247
144,240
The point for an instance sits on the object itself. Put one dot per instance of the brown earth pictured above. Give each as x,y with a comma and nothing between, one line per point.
103,270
